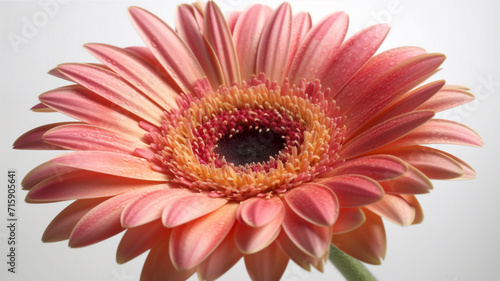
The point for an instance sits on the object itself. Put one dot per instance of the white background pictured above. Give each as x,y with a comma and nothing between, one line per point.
458,239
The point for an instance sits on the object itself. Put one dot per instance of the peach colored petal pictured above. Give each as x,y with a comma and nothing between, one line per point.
111,163
316,52
385,133
395,209
168,48
113,88
82,184
295,254
188,29
313,239
413,202
272,53
139,239
377,167
352,55
349,219
158,265
366,243
62,225
192,242
251,239
354,190
301,24
266,265
137,72
32,139
468,172
447,98
189,207
246,35
221,260
42,172
413,182
257,212
84,105
314,203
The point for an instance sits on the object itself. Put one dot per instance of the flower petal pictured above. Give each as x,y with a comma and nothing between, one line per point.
253,239
187,250
42,108
318,49
221,260
62,225
188,29
395,209
297,255
314,203
272,53
113,88
43,172
219,36
257,212
139,239
313,239
158,265
352,55
246,36
377,167
189,207
137,72
168,48
111,163
366,243
385,133
301,24
33,138
349,219
447,98
413,202
413,182
354,190
267,265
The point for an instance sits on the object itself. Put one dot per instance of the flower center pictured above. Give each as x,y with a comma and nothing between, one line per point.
256,140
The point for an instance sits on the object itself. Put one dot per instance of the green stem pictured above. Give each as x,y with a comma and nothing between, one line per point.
351,268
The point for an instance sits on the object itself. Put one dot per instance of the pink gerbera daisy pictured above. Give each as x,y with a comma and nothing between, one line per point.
259,135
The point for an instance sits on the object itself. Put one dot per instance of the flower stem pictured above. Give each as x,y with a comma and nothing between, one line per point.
351,268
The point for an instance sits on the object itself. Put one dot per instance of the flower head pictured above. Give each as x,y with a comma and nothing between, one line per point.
259,136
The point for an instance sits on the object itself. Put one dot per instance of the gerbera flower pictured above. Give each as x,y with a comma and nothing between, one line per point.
259,135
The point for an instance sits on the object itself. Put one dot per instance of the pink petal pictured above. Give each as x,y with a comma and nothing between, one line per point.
257,212
447,98
139,239
111,163
301,24
384,133
394,208
88,137
246,34
62,225
267,265
352,55
168,48
318,49
158,265
84,105
311,238
377,167
413,202
468,172
232,20
366,243
33,138
221,260
42,108
354,190
114,89
413,182
148,206
440,131
297,255
43,172
56,73
145,54
189,207
137,72
429,161
192,242
82,184
219,36
188,29
349,219
253,239
314,203
272,53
